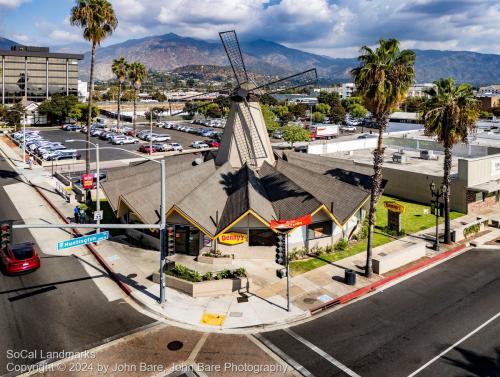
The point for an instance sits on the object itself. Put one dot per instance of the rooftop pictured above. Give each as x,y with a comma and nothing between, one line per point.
39,52
414,162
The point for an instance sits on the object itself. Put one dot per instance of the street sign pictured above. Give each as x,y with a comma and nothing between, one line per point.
87,181
98,215
80,241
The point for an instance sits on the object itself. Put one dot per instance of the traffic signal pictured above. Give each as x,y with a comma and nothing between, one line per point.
281,249
170,240
5,234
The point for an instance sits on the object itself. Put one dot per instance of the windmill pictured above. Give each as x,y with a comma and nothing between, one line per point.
245,139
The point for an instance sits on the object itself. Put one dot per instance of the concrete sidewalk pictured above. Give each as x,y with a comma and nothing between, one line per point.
263,306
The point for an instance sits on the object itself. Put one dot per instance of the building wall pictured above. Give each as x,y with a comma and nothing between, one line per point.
489,102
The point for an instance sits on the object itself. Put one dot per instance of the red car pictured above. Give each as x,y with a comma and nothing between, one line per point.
212,143
18,258
146,149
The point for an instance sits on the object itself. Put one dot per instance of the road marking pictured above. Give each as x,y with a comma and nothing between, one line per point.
322,353
198,347
271,354
455,344
298,367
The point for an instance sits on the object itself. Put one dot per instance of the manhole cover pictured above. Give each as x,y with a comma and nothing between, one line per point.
176,345
131,276
309,300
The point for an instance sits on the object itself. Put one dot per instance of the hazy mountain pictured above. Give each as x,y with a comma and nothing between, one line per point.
170,51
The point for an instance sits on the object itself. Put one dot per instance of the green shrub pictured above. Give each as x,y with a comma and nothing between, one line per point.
472,229
182,272
341,245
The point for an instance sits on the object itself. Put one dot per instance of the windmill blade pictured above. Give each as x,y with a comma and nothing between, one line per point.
216,100
233,51
198,95
309,77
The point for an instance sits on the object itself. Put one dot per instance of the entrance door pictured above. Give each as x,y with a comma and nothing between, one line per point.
187,240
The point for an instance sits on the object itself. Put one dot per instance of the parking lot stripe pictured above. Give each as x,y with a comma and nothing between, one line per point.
455,344
295,365
322,353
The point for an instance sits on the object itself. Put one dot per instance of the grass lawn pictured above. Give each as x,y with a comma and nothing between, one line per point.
414,219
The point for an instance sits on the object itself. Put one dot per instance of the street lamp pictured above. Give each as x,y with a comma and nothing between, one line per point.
163,214
97,196
436,194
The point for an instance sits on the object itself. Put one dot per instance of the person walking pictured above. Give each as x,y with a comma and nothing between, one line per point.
76,213
30,163
82,215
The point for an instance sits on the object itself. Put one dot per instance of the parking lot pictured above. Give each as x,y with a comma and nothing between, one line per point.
108,154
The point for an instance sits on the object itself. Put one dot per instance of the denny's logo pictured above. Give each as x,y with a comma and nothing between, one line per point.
394,207
233,238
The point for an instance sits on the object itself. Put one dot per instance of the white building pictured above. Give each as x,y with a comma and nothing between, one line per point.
420,90
489,90
83,91
344,90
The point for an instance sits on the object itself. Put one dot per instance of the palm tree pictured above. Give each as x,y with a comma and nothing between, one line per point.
137,72
98,20
120,70
450,114
382,78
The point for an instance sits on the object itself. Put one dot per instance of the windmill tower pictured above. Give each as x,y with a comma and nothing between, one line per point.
245,139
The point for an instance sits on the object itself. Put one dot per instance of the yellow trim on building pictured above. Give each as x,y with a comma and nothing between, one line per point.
246,213
190,220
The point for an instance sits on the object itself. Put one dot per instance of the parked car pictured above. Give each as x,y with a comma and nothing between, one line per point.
143,135
160,137
145,148
212,143
161,147
176,147
71,127
367,136
348,128
19,258
199,144
49,150
120,140
96,132
63,155
278,134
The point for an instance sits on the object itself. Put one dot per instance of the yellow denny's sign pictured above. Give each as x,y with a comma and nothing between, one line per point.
233,238
394,207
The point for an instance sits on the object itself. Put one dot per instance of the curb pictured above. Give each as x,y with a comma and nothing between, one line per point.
90,247
373,286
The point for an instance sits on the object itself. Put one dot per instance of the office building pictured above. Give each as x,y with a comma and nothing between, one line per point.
35,74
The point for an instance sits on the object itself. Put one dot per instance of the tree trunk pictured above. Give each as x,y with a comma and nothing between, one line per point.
119,105
446,193
378,159
135,102
89,119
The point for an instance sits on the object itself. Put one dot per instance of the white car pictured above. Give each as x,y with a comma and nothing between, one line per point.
160,137
176,147
199,144
120,140
348,129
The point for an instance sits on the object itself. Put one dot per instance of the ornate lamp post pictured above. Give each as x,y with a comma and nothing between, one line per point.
436,195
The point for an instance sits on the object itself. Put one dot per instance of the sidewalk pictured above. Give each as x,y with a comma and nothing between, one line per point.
263,306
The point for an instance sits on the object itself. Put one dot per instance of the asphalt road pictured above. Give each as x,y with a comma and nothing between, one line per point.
56,308
397,331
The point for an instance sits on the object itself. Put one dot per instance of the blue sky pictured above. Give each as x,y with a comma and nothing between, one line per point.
330,27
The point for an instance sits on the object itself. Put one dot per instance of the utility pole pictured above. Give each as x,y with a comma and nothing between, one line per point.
97,196
150,131
163,229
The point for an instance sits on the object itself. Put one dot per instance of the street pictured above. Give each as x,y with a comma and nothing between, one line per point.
58,307
442,322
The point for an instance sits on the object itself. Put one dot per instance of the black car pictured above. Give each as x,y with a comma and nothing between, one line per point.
64,155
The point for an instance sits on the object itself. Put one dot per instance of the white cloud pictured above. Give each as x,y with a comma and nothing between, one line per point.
11,3
64,36
22,38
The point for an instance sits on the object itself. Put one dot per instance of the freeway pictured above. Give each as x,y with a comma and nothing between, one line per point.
58,307
442,322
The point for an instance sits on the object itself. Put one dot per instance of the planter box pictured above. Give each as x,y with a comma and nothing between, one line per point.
205,288
459,231
215,261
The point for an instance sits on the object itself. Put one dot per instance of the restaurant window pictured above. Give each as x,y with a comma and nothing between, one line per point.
319,230
261,237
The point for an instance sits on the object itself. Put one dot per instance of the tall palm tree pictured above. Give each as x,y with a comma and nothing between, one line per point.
450,114
137,72
120,70
98,20
382,78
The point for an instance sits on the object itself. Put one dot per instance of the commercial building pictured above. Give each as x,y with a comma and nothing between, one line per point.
35,74
488,90
344,90
420,90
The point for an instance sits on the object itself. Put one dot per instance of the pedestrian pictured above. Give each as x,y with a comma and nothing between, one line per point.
82,215
30,163
76,213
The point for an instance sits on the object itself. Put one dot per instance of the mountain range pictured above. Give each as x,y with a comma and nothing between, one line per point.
170,51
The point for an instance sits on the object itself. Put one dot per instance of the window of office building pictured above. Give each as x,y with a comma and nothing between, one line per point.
319,230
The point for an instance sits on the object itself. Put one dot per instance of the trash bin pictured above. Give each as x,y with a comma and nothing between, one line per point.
350,277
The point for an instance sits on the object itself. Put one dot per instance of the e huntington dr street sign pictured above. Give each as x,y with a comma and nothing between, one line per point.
61,245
